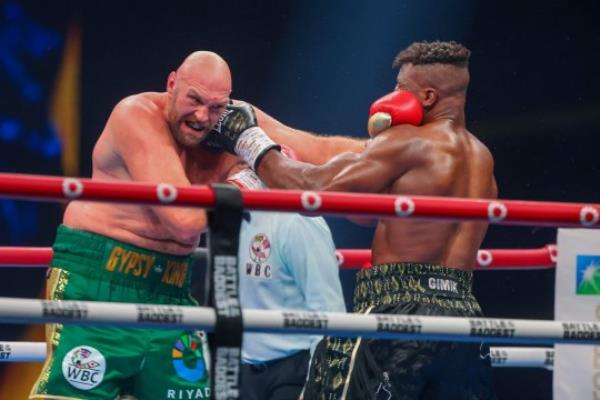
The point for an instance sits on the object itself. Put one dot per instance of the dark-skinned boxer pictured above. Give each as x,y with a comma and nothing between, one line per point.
419,267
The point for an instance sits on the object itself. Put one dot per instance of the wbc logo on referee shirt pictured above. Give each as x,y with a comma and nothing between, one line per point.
260,250
588,275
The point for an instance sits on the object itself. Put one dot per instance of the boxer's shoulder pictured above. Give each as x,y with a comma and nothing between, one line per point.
147,104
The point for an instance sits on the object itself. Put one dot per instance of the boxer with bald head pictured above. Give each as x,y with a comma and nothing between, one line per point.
420,267
140,253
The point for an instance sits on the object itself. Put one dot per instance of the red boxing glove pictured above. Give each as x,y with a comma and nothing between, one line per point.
398,107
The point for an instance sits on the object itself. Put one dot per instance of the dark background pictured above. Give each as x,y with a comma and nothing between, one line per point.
318,66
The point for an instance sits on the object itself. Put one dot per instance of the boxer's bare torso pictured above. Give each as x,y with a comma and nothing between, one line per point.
156,138
123,148
438,158
447,162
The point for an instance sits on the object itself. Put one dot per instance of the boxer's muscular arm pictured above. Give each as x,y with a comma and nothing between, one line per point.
149,154
311,148
385,159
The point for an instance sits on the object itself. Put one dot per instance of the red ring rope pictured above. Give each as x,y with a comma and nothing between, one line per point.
513,212
349,258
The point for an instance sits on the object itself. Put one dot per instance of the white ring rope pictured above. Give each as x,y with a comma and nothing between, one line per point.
519,357
522,357
382,326
22,351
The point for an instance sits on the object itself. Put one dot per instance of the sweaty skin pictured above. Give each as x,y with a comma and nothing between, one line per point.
439,158
154,137
308,147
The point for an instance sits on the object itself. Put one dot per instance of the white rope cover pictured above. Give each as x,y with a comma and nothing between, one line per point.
522,357
22,351
15,310
519,357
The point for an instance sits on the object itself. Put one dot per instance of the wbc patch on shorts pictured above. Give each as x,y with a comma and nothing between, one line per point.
83,367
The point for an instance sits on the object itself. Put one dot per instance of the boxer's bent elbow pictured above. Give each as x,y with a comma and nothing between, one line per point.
185,225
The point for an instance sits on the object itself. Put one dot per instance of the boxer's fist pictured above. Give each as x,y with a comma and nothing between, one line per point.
237,132
398,107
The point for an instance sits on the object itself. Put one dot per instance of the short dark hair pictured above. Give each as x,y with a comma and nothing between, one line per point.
437,52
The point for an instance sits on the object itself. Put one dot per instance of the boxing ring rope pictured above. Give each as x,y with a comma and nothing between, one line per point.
379,326
510,212
487,259
523,357
490,259
493,259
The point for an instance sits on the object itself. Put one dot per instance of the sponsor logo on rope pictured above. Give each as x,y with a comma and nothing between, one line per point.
497,328
159,314
496,211
72,310
72,188
549,360
166,193
227,370
588,275
484,258
83,367
226,286
305,320
404,206
589,216
498,357
5,351
398,323
339,257
260,250
553,251
311,201
581,330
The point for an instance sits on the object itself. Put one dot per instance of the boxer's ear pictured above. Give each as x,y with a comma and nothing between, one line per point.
171,82
429,97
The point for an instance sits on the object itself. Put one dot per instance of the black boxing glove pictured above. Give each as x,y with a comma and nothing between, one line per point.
237,132
211,142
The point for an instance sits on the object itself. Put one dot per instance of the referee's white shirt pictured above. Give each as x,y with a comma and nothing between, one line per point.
287,261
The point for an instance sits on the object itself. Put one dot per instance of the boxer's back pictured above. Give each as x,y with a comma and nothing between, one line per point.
449,162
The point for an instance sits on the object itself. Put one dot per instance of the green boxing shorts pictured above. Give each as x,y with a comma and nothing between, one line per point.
88,362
